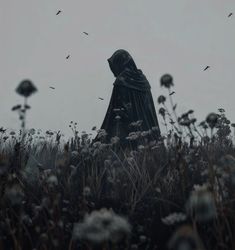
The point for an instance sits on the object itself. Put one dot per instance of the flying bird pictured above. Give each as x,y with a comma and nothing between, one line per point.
85,33
207,67
52,87
59,11
101,98
68,56
172,93
230,14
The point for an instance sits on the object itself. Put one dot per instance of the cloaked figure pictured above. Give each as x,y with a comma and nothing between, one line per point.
131,106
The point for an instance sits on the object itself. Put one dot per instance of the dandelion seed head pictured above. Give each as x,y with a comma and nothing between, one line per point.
26,88
166,81
161,99
212,120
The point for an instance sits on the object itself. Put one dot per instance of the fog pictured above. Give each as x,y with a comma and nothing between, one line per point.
163,36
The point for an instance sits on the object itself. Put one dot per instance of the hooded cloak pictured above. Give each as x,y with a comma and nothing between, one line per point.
131,100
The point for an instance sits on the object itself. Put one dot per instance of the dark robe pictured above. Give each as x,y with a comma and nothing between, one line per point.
131,100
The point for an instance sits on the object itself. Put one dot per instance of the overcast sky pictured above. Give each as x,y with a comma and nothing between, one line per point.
179,37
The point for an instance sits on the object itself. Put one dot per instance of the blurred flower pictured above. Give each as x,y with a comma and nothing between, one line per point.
116,110
161,99
14,194
221,110
166,81
74,154
52,181
133,136
190,112
142,238
136,124
134,247
141,147
174,218
86,191
184,116
26,220
115,140
212,119
97,144
32,131
44,238
145,133
5,138
162,112
184,239
26,88
198,188
130,160
185,122
155,128
117,117
101,226
2,130
201,204
101,133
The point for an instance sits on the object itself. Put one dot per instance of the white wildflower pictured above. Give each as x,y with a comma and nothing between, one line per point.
14,194
52,181
137,123
117,117
133,136
101,226
141,147
174,218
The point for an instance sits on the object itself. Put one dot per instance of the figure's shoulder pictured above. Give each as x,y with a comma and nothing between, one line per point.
132,79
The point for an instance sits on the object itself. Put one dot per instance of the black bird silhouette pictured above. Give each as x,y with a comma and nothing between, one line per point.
207,67
230,14
52,87
59,11
101,98
68,56
172,93
85,33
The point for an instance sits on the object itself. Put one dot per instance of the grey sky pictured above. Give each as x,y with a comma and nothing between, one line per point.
179,37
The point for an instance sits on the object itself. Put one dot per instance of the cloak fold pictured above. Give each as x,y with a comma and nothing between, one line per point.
131,100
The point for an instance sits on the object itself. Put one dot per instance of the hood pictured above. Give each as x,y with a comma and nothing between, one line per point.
120,61
127,74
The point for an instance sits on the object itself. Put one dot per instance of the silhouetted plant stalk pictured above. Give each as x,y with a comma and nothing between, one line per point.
233,125
26,88
167,82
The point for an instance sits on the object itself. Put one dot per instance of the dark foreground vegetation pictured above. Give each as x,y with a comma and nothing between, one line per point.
175,193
